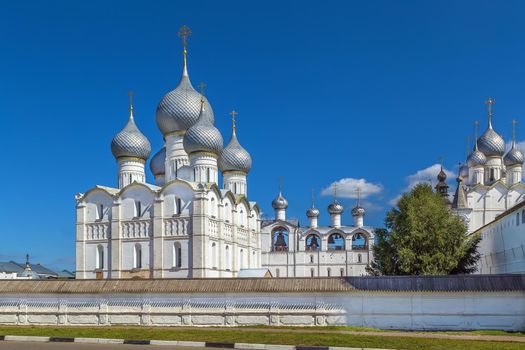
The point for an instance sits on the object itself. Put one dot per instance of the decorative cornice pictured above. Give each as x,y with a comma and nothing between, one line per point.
235,172
133,159
175,133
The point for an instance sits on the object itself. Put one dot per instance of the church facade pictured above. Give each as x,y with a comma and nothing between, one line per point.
490,181
188,225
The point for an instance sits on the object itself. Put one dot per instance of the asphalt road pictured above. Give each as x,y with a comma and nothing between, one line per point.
15,345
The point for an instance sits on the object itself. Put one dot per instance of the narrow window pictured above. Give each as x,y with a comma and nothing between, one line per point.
312,272
138,209
99,262
208,174
214,255
311,259
227,258
137,257
342,272
178,206
241,259
523,216
277,273
177,255
517,219
359,258
328,272
101,211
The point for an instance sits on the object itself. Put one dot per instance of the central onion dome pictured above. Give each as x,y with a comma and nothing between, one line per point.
130,142
514,156
280,202
157,164
442,176
180,108
203,136
335,208
491,143
234,157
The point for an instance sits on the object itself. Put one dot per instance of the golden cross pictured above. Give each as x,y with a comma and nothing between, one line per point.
130,94
233,113
335,191
358,192
313,195
476,123
280,184
440,158
490,102
184,32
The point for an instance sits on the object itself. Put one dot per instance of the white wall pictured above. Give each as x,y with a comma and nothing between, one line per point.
384,310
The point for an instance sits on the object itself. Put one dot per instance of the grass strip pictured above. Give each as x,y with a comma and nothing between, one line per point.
260,337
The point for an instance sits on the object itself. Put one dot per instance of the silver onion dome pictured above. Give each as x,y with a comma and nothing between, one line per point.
280,202
514,156
476,158
203,136
312,212
234,157
130,142
358,211
157,164
491,143
180,108
335,208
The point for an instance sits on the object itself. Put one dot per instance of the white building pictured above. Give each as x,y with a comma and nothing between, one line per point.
186,225
335,250
502,245
491,180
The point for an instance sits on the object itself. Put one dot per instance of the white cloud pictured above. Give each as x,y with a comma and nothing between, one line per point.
346,188
427,175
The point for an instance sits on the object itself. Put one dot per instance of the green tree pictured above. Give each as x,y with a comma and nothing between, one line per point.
423,237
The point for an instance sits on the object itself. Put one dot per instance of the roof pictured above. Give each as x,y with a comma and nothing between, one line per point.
457,283
247,273
10,266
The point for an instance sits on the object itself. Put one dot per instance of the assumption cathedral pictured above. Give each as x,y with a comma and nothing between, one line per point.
187,224
490,181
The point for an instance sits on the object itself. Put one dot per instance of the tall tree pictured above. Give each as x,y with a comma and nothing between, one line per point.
423,237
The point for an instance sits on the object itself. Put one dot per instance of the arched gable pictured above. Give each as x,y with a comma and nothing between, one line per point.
177,197
98,202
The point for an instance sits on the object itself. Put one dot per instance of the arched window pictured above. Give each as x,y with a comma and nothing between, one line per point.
280,239
312,272
138,209
311,259
342,272
359,241
177,255
241,218
227,212
312,242
336,241
99,261
214,255
100,211
328,272
137,256
212,208
227,258
359,258
241,259
178,206
517,219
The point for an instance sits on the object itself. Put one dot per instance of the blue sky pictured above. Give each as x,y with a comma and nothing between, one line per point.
372,90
